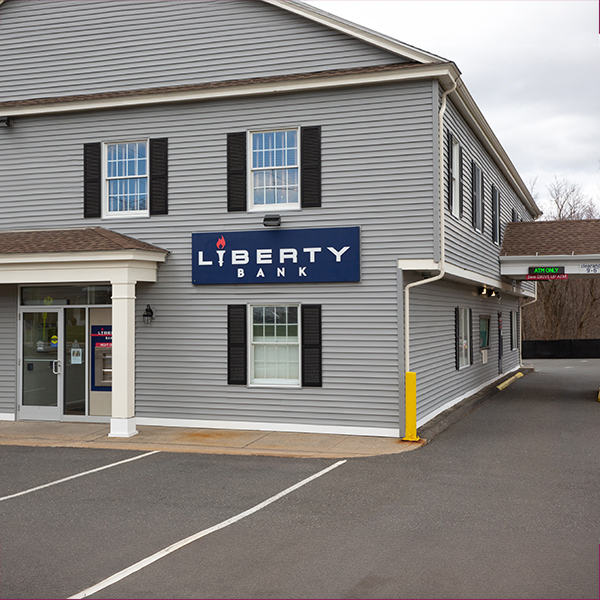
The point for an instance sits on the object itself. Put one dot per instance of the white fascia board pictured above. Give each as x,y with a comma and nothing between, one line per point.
357,31
584,265
418,265
474,117
44,268
460,275
445,72
87,257
463,276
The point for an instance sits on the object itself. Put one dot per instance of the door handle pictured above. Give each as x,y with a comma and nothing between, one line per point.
56,367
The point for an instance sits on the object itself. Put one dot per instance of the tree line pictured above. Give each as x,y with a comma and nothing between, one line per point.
565,309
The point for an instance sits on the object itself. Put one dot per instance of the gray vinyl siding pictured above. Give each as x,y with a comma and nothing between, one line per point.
466,247
377,156
433,343
99,46
8,346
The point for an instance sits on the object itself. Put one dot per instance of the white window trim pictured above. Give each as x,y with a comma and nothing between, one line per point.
126,214
456,176
464,317
262,208
514,338
272,383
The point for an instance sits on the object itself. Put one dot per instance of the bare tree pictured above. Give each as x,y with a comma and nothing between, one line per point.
568,202
565,309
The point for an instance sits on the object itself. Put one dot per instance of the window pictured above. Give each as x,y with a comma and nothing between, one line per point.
496,215
463,335
515,216
477,193
274,170
124,179
282,345
484,332
275,345
514,329
455,189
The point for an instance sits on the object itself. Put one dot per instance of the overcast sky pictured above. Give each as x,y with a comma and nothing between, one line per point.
532,66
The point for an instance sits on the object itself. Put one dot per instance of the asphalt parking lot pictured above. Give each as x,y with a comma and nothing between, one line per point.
504,503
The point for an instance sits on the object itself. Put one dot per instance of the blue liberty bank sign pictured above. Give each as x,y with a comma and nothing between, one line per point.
277,256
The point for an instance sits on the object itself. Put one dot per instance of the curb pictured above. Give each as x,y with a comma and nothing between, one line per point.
457,412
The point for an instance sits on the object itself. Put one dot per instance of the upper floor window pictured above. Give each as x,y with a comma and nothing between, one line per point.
274,169
495,215
477,193
126,185
455,189
125,179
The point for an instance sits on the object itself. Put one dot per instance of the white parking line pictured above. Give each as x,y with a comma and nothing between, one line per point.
177,545
41,487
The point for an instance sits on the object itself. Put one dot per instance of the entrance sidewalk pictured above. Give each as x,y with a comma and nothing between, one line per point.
206,441
229,441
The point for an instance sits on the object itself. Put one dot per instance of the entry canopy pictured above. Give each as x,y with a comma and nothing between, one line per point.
551,250
76,255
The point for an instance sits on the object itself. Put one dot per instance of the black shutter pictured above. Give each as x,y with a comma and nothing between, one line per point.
237,357
450,171
481,199
236,172
471,336
495,215
159,180
310,168
92,176
311,345
474,193
460,180
456,338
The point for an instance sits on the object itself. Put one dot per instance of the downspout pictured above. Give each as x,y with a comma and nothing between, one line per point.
535,297
442,263
410,379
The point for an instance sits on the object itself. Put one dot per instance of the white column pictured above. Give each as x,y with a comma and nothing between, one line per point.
122,422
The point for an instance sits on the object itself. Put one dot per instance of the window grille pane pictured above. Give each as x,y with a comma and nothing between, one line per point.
276,344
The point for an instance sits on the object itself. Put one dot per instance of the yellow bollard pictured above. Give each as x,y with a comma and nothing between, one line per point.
411,408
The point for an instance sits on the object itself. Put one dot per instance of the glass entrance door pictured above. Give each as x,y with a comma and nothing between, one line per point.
41,365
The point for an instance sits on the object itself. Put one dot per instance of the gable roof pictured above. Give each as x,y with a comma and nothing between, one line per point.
552,238
88,239
424,65
358,31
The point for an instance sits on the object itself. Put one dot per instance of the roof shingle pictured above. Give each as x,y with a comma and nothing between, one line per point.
551,238
89,239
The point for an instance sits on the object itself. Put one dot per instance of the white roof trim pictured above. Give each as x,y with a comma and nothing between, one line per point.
445,72
357,31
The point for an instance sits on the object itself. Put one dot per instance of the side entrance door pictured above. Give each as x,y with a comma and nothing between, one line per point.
41,365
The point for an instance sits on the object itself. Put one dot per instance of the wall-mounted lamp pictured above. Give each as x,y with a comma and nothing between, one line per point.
6,121
482,291
272,220
148,315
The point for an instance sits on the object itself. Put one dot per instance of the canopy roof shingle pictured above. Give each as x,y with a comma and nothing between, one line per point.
88,239
552,238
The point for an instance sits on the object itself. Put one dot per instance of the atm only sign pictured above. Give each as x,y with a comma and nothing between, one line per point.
545,273
277,256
